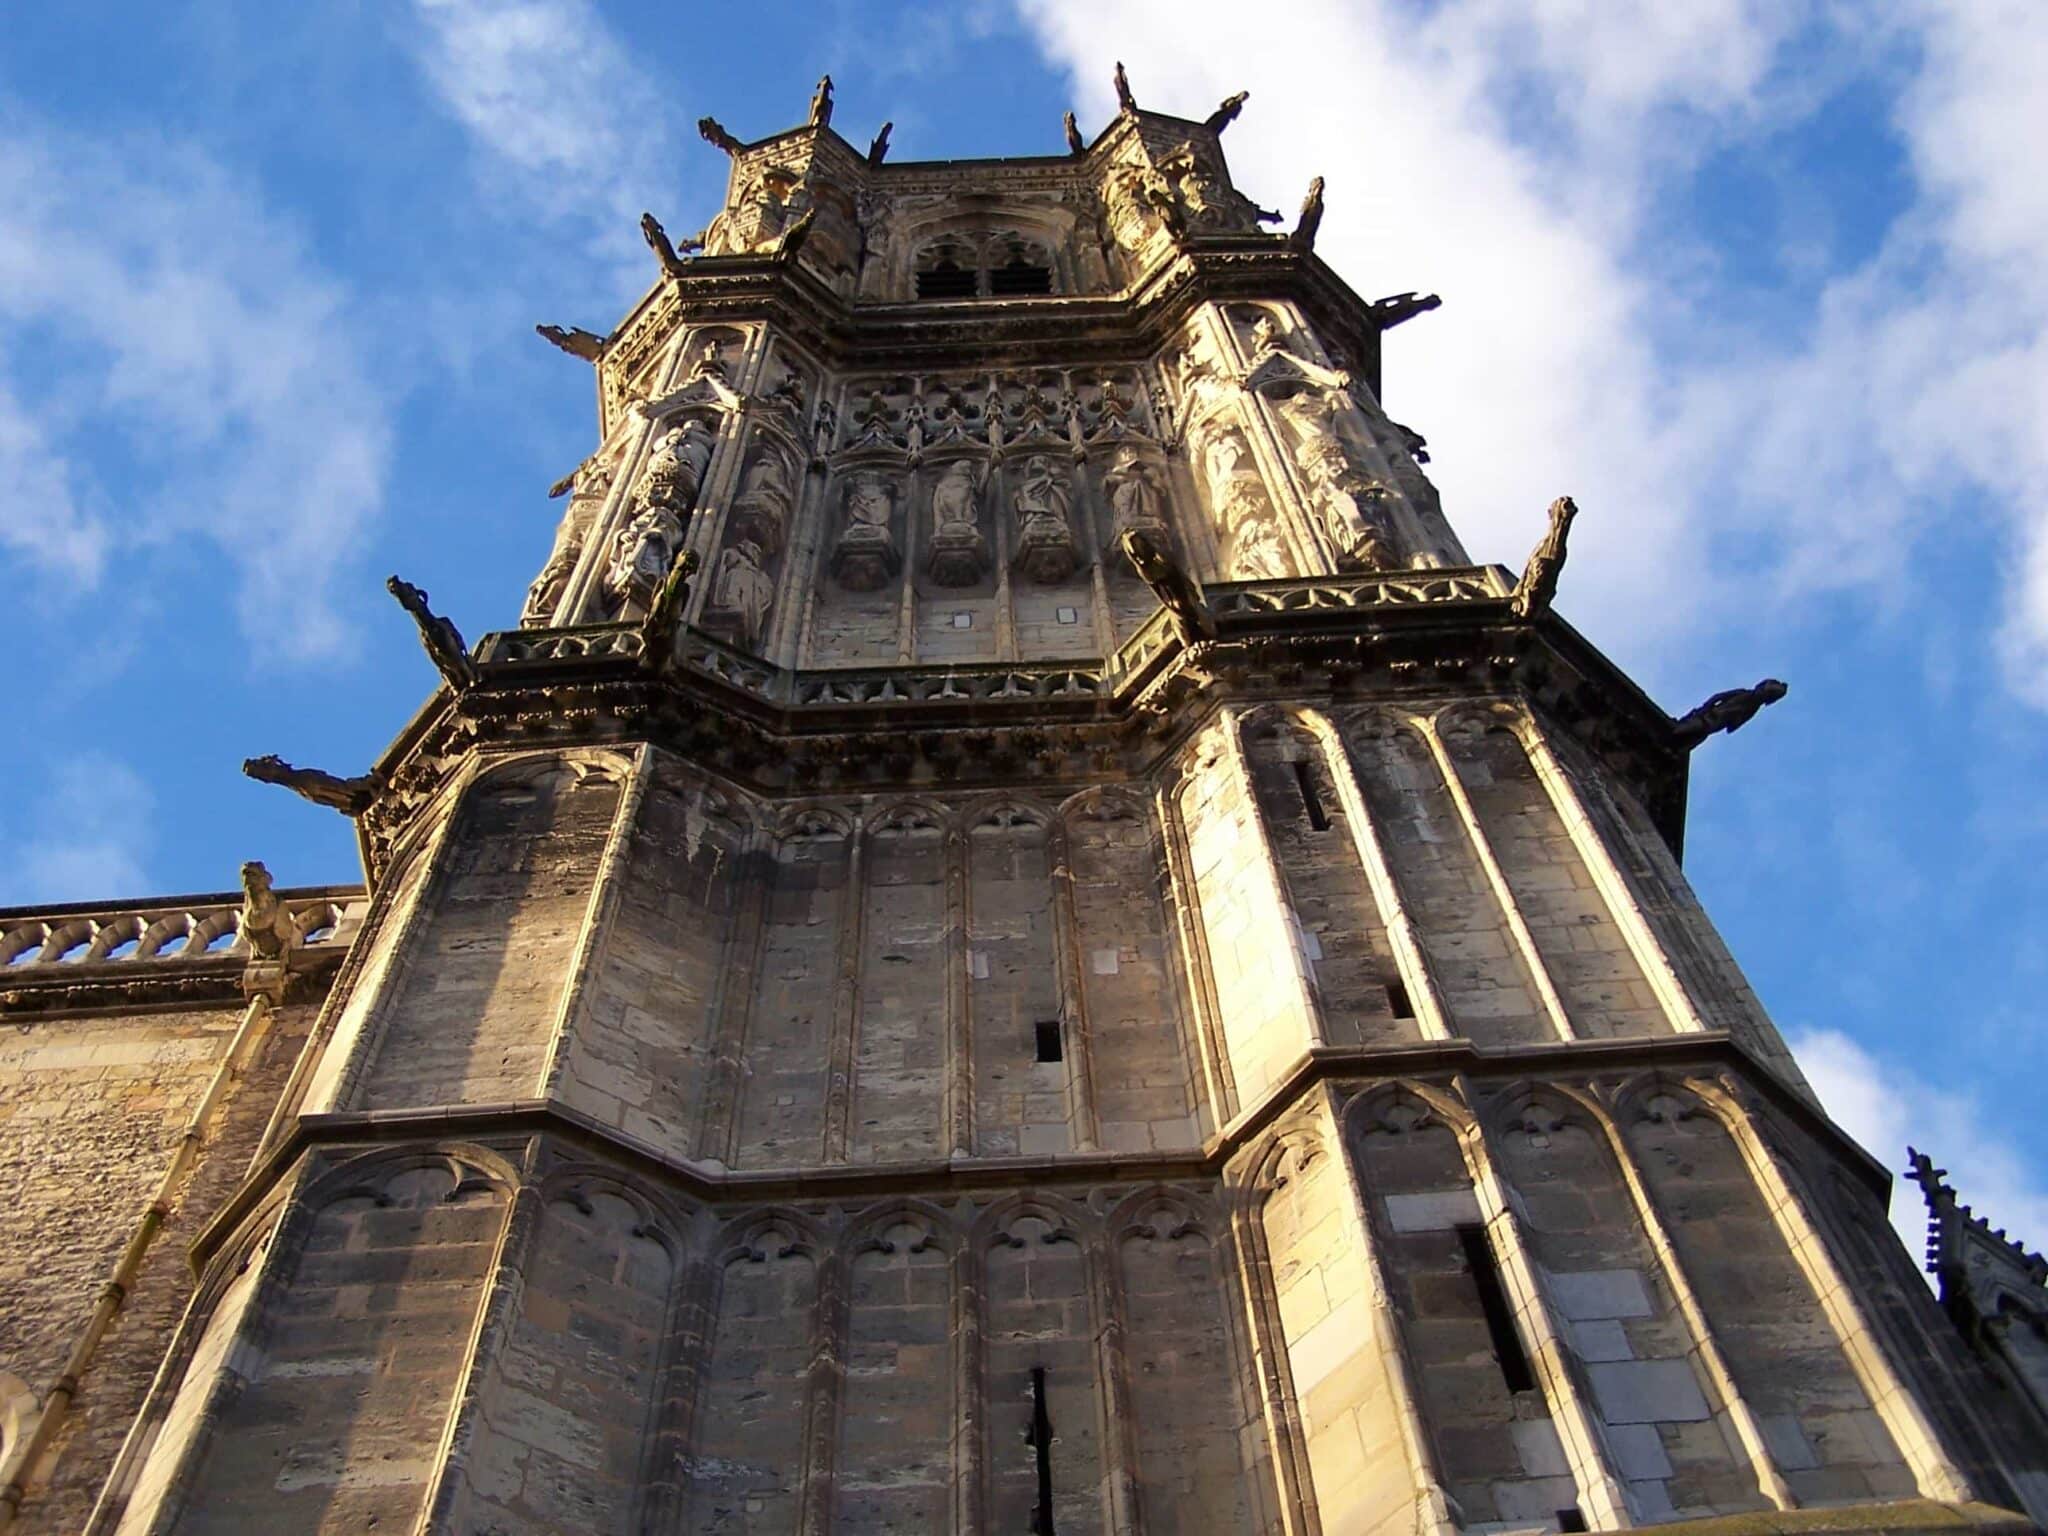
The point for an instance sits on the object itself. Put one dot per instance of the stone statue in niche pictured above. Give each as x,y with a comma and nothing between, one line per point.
866,555
1135,198
1352,507
757,220
959,551
1136,503
641,555
760,511
1206,201
1045,539
1258,552
675,470
587,487
742,592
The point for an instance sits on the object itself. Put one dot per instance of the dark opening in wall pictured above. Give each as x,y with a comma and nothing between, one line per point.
1569,1519
946,281
1493,1301
1397,999
1019,277
1041,1443
1311,801
1048,1031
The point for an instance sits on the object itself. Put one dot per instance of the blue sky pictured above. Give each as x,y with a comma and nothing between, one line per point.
1765,286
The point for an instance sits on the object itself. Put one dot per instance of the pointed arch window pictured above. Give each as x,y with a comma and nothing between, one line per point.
1000,266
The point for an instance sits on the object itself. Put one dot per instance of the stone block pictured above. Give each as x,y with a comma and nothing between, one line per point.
1432,1210
1646,1391
1599,1293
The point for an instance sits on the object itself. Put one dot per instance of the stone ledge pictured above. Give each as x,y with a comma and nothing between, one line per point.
714,1183
1897,1519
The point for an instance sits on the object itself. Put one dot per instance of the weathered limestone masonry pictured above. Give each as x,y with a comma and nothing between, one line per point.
1017,942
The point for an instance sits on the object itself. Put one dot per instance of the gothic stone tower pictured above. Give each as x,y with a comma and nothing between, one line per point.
1091,973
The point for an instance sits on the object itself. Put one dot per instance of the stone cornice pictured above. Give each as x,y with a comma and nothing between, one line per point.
1713,1053
1341,641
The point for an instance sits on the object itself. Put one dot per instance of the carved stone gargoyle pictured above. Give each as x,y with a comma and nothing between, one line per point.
1395,308
658,629
714,133
440,638
265,926
1226,114
1076,145
351,797
1729,710
1176,590
1303,236
793,238
575,341
1531,598
672,265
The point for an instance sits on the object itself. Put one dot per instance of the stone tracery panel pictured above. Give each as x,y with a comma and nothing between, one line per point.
1137,1047
566,1403
900,1055
896,1456
1041,1318
1474,959
1684,1457
1581,947
1335,916
482,978
1187,1395
335,1384
1784,1355
746,1466
787,1048
1023,1102
1496,1448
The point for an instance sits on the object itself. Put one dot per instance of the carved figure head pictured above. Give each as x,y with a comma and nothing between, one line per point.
255,883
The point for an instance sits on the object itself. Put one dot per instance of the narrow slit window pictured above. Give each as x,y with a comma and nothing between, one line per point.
1311,801
1041,1442
1493,1301
1048,1031
1571,1519
1397,999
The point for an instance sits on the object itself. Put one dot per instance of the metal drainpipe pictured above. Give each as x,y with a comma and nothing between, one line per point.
57,1401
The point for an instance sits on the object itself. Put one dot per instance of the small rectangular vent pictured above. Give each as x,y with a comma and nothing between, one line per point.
1048,1032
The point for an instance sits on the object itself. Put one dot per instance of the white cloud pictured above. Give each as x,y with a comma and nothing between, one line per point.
40,517
1519,156
1887,1108
567,121
152,307
91,834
